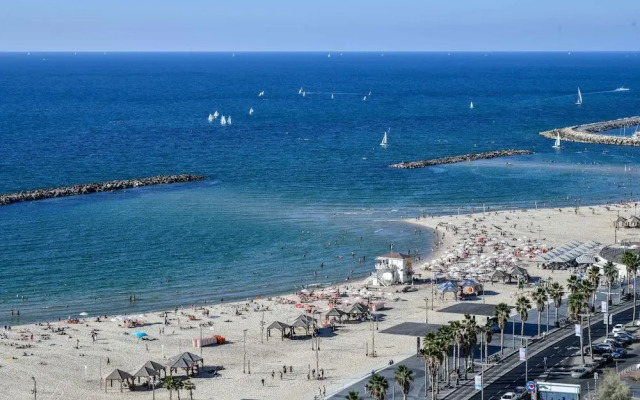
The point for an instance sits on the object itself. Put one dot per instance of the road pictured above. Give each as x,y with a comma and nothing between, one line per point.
515,377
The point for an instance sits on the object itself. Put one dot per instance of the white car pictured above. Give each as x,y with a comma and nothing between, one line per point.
509,396
618,328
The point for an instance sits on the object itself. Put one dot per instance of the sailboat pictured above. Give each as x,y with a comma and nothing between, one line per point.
331,96
329,55
384,138
223,121
251,111
556,144
300,91
215,114
471,106
261,93
210,119
579,101
364,98
304,94
229,120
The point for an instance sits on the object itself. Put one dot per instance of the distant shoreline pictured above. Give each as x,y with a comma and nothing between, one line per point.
95,187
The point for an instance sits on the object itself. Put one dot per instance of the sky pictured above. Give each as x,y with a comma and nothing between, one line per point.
320,25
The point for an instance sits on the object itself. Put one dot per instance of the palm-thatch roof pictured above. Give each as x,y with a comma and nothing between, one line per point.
146,372
118,375
334,312
281,326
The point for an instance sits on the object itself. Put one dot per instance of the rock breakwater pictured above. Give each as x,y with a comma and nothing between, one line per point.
96,187
589,133
459,159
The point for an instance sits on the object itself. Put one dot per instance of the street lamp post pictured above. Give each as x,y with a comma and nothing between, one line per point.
244,345
426,310
35,388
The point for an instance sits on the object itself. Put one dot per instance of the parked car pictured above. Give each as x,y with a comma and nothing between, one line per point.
628,335
603,359
609,348
623,339
579,372
613,342
618,354
598,349
618,328
509,396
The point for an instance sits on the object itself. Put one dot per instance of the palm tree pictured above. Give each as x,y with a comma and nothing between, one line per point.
404,377
487,333
378,386
540,298
502,312
611,273
471,330
576,303
522,307
594,277
573,284
178,385
589,289
458,336
632,262
353,395
556,292
445,340
432,355
170,384
189,387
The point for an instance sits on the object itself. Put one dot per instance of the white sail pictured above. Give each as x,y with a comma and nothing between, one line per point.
471,106
329,55
364,98
229,120
215,114
251,111
556,144
384,138
579,101
210,119
223,121
300,91
332,95
261,93
304,94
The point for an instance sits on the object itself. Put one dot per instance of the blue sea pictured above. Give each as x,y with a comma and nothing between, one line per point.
298,189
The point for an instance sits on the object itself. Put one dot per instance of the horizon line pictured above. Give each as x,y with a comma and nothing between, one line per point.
320,51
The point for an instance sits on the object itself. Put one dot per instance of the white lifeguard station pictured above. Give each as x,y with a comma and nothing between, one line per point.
392,268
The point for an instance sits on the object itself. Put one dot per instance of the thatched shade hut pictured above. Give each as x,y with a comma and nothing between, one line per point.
281,326
120,376
336,313
499,275
187,361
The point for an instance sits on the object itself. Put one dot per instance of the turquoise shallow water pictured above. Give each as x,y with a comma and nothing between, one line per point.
301,182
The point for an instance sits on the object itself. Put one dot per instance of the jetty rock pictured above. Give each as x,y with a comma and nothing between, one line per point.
589,133
95,187
462,158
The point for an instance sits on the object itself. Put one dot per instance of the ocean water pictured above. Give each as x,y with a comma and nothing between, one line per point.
295,188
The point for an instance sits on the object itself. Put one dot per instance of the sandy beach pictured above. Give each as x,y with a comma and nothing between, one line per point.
68,364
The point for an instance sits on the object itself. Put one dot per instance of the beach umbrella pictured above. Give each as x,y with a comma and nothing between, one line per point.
139,334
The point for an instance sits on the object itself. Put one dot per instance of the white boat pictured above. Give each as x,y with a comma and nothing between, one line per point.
300,91
369,93
556,144
304,94
471,106
332,96
223,121
251,111
384,138
329,55
210,119
579,101
261,93
364,98
621,89
215,114
229,120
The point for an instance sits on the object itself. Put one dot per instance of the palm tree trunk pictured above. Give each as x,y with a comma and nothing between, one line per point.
539,321
501,341
557,315
589,326
634,296
521,330
609,294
